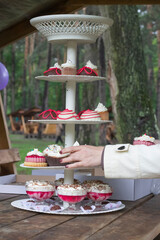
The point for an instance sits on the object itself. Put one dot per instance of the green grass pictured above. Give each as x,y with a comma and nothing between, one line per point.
25,145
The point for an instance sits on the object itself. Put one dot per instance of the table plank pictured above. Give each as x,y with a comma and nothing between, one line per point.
30,226
141,223
83,226
6,196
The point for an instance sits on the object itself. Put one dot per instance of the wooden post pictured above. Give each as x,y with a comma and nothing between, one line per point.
9,166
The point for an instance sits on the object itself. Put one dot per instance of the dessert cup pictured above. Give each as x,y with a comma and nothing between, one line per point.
72,194
39,190
104,115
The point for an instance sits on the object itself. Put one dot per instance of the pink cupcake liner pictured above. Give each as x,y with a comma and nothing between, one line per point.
147,143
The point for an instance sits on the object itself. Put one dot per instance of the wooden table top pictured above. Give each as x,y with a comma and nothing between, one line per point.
140,220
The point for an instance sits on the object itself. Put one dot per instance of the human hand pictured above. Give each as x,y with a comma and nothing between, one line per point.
82,156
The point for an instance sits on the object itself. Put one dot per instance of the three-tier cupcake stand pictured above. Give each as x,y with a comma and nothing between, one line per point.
71,29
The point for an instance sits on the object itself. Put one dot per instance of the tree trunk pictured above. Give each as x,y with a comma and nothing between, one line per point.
158,80
135,115
24,95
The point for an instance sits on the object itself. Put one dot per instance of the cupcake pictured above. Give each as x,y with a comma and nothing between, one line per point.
35,158
145,140
55,70
89,69
39,190
103,111
68,115
68,68
48,115
52,155
90,115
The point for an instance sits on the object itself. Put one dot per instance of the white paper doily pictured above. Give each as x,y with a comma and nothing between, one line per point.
21,204
54,167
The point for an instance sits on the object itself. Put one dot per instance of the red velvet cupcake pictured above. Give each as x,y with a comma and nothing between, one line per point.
49,115
55,70
88,69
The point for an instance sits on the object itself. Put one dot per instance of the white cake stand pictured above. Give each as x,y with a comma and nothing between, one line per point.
71,29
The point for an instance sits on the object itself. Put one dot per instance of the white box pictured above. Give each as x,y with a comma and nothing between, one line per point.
125,189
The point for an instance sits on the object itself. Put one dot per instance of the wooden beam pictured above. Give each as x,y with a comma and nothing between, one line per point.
24,27
9,156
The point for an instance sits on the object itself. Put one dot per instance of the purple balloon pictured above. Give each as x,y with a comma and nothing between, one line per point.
4,76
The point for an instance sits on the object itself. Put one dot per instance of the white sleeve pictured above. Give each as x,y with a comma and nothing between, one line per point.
132,161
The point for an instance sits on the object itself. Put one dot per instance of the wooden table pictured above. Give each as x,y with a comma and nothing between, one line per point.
140,220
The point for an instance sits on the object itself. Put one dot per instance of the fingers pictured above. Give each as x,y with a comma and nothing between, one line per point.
70,149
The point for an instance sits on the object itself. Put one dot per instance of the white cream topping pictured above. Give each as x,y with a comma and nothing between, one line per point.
37,185
145,138
35,152
60,181
53,150
56,65
68,64
76,144
99,188
71,190
101,108
91,65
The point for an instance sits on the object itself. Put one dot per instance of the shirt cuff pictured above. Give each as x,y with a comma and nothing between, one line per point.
102,159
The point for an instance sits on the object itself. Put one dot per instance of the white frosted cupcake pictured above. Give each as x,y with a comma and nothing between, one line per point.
103,111
68,115
90,115
68,68
144,140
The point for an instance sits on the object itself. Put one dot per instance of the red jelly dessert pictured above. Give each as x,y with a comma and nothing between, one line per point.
97,191
71,193
48,114
98,196
39,190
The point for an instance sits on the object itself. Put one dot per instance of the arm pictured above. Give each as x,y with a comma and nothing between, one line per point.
134,161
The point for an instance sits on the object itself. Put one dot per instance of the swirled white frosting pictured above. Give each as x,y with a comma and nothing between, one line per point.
91,65
100,108
35,152
56,65
37,185
71,190
145,138
68,64
53,150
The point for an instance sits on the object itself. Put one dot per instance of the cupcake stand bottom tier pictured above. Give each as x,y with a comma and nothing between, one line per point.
26,204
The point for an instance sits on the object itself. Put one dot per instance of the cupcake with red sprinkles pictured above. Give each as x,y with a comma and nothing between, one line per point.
144,140
35,158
